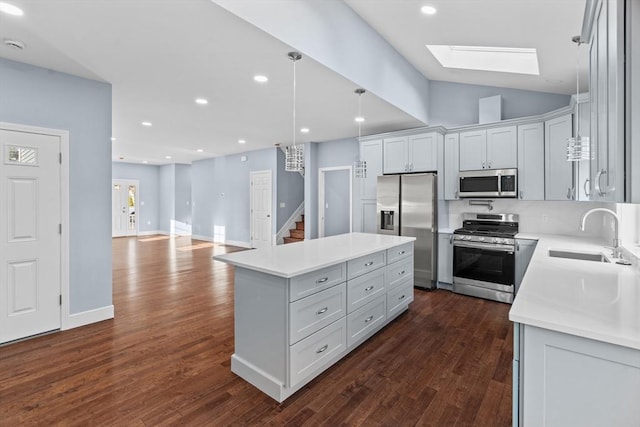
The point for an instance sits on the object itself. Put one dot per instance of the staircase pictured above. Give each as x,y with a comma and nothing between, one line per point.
296,234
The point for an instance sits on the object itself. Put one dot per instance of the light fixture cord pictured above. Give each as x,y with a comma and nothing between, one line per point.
359,112
578,91
294,102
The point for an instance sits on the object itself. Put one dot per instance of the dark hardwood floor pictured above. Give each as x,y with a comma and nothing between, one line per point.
165,358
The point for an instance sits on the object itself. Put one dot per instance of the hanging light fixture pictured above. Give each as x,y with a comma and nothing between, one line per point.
360,166
294,154
578,147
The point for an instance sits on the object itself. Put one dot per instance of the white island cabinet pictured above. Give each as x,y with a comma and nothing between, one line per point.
301,307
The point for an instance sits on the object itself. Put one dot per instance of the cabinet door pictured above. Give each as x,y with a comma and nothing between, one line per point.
558,171
371,152
473,149
502,148
423,152
395,155
451,166
445,258
531,162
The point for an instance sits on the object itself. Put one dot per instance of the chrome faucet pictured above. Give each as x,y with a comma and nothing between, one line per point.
616,239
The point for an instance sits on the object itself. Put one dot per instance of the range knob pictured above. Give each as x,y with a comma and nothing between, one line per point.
496,240
481,239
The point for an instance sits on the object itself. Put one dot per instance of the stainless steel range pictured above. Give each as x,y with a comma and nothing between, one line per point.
484,256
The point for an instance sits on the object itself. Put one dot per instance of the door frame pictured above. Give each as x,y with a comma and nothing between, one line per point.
137,184
251,174
64,210
321,198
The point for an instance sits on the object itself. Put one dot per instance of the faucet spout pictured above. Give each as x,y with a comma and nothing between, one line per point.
616,229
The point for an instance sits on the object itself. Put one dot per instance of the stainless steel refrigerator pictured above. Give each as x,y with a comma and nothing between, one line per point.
407,206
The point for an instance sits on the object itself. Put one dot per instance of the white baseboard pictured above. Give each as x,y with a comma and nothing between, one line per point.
90,316
226,242
149,233
200,237
238,243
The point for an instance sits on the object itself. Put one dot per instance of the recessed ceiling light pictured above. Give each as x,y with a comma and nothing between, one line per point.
15,44
241,141
304,130
148,124
428,10
501,59
200,150
113,139
261,79
359,119
167,157
10,9
145,162
201,101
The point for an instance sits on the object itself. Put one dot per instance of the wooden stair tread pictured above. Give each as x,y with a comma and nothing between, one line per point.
292,240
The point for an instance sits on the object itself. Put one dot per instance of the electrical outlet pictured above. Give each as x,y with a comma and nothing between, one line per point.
282,204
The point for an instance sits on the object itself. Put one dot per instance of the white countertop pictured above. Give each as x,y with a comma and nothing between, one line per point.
298,258
589,299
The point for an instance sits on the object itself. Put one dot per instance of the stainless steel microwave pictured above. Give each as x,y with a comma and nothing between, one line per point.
488,183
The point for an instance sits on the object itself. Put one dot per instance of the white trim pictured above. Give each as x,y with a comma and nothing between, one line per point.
251,173
238,243
226,242
90,316
149,233
321,198
64,210
203,238
279,238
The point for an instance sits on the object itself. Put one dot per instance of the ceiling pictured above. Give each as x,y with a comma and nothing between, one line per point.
159,55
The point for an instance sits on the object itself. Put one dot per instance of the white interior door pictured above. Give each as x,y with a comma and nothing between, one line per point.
124,208
261,215
30,252
335,207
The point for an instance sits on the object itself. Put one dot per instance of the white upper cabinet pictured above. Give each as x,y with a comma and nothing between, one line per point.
494,148
415,153
531,161
451,166
558,172
371,152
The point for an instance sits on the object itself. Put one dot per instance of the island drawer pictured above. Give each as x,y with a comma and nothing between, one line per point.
399,297
400,252
398,272
316,281
365,320
313,313
320,349
364,288
359,266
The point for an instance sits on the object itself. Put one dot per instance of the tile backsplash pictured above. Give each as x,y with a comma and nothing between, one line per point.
542,216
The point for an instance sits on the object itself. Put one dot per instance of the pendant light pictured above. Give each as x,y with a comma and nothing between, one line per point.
360,166
294,154
578,147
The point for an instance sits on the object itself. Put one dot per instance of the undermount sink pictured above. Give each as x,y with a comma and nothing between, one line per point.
585,256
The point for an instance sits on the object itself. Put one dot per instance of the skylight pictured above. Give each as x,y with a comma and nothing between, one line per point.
501,59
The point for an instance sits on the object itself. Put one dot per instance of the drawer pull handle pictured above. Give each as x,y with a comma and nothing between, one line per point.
322,310
401,298
322,349
324,279
401,273
401,253
368,319
370,263
368,289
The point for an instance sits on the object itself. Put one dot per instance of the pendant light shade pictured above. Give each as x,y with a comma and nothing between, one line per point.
360,166
578,147
294,154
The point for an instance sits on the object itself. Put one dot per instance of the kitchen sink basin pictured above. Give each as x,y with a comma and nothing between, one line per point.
585,256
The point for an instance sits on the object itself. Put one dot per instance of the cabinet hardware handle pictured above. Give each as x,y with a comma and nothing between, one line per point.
569,193
401,273
586,187
596,182
323,348
324,279
482,165
368,288
451,239
456,195
368,319
517,246
401,298
489,165
323,310
410,166
521,194
401,253
368,264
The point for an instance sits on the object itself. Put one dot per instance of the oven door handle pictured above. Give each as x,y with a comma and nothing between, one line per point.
487,246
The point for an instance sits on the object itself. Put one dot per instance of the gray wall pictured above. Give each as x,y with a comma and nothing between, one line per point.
39,97
337,217
456,104
220,193
148,177
290,189
167,185
182,197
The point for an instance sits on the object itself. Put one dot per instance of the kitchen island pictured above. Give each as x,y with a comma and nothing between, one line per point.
577,336
301,307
